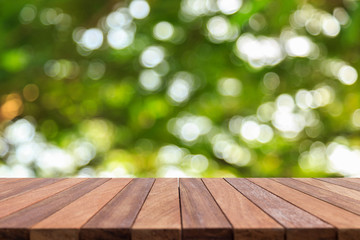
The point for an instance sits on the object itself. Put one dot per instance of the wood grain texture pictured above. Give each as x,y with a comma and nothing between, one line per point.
115,219
8,180
347,223
201,216
13,204
344,202
332,187
184,209
16,226
159,218
298,223
248,220
342,182
76,213
354,180
14,188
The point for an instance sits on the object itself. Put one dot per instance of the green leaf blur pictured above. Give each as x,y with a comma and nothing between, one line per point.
199,88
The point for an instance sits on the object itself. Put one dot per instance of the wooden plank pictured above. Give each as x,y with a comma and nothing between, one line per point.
13,204
76,213
201,217
159,218
12,179
16,226
14,188
8,180
248,220
298,223
354,180
347,223
210,209
8,184
115,219
332,187
344,202
342,182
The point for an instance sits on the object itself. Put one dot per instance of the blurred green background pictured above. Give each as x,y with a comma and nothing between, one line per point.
199,88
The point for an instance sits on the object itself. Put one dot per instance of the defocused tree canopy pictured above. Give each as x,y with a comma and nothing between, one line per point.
156,88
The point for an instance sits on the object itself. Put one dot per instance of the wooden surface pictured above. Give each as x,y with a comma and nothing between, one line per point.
201,216
175,209
159,217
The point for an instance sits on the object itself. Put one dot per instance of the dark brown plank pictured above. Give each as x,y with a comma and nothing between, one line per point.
159,218
344,202
342,182
248,220
14,188
20,201
332,187
77,213
299,224
347,223
16,226
115,219
201,217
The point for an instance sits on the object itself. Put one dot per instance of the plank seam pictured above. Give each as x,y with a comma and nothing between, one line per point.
105,204
107,179
137,214
296,207
38,200
232,227
181,218
285,229
26,225
23,192
331,183
199,206
337,229
322,199
299,206
337,184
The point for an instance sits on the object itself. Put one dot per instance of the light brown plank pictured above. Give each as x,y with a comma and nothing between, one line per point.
347,223
18,202
355,180
332,187
299,224
8,180
248,220
16,226
76,213
201,217
159,218
344,202
342,182
115,219
14,188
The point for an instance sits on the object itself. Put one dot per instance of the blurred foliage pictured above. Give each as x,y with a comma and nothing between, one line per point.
200,88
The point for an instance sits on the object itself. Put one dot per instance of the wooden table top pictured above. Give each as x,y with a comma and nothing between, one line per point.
186,208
